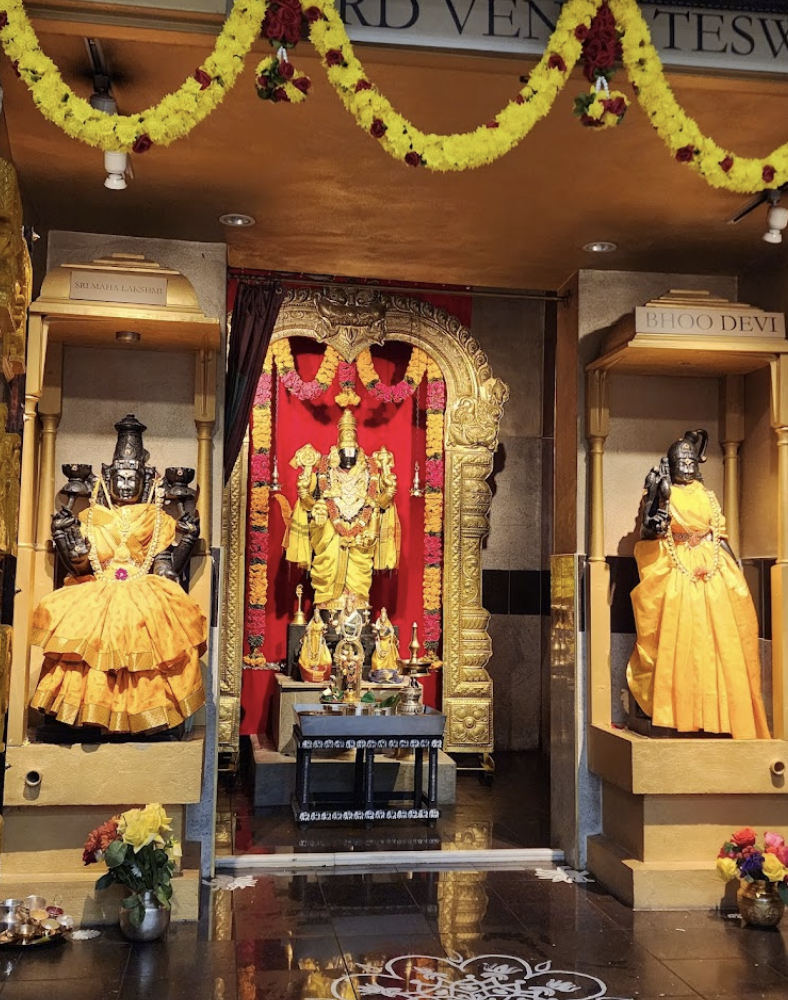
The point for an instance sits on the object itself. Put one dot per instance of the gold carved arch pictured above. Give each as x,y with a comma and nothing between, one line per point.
474,406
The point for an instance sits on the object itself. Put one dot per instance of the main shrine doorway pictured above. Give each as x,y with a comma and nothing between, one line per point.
403,383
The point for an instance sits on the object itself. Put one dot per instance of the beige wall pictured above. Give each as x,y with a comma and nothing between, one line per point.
646,414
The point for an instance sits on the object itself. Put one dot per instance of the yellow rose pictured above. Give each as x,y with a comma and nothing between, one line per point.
773,868
135,829
726,869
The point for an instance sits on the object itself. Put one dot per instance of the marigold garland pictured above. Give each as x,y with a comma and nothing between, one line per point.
178,113
432,583
293,382
259,502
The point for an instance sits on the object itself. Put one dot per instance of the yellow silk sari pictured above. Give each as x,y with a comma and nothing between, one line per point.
696,664
121,651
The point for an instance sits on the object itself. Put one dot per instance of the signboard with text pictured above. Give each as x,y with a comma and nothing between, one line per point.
700,36
101,286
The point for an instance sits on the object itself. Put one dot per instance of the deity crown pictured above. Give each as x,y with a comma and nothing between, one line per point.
347,430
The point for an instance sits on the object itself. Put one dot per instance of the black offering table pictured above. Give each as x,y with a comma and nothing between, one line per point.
324,727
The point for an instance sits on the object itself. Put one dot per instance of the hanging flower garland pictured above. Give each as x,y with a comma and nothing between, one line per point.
178,113
292,381
432,584
347,395
259,501
391,393
278,81
601,108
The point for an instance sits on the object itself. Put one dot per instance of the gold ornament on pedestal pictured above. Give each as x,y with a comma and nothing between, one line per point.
314,658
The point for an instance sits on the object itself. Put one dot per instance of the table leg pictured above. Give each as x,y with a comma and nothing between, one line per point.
418,764
303,773
432,781
369,783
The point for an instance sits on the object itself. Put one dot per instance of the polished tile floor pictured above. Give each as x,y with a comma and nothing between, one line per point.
455,935
514,812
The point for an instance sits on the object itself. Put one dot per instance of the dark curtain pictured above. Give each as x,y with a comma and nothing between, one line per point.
254,315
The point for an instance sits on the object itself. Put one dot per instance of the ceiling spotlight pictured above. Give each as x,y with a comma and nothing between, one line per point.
600,246
776,220
115,164
236,220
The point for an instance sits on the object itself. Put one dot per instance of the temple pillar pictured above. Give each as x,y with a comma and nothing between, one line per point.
779,573
732,435
598,572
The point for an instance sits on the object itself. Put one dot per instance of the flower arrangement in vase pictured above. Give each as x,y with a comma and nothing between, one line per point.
763,874
140,852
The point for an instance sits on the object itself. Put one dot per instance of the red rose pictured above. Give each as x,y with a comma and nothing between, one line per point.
142,144
590,122
280,94
595,57
745,837
685,154
334,57
363,85
492,124
581,32
303,83
286,69
3,19
312,14
273,27
413,159
727,163
606,34
617,106
556,62
768,173
378,128
202,78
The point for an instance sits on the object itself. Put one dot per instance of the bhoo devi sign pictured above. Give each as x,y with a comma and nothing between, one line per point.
729,39
733,322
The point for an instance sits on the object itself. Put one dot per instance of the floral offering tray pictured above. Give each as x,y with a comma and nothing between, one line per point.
37,942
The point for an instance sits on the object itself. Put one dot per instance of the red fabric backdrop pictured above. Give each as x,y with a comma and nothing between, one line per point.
295,423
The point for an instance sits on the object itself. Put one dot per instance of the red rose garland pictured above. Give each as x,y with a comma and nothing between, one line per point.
601,50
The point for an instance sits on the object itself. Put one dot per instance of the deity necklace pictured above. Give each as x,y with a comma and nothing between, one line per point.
700,573
122,554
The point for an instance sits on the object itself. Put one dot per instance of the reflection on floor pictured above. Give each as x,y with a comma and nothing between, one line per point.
456,935
513,812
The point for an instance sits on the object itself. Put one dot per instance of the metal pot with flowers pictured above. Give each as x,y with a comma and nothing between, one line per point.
762,872
140,853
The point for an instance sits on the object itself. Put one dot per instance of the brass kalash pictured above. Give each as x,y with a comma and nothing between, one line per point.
344,526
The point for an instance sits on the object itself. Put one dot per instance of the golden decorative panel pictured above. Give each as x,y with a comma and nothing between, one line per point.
474,406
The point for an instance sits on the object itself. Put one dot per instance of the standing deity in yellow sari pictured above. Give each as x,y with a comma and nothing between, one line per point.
696,666
314,658
344,523
122,640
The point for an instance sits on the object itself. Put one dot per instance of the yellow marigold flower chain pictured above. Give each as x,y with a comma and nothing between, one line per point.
178,113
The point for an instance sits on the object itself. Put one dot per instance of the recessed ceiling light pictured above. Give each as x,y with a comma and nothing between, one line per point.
128,336
600,246
236,220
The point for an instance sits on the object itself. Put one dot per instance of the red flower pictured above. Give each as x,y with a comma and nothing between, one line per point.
286,69
334,57
434,473
203,78
745,837
590,122
432,627
3,19
581,32
685,154
378,128
433,550
436,395
142,144
312,14
413,159
768,173
280,94
363,85
121,574
617,106
727,163
556,62
261,467
283,23
303,83
519,99
492,124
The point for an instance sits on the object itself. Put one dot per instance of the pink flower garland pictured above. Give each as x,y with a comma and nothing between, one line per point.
433,540
391,393
305,391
